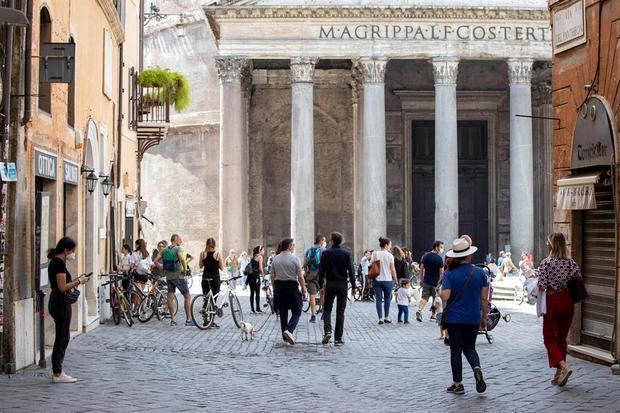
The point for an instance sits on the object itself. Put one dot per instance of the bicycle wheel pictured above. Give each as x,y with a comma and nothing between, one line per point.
203,312
125,308
147,309
116,314
135,299
235,310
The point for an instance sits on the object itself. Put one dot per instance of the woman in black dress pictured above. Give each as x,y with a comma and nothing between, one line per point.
254,278
60,310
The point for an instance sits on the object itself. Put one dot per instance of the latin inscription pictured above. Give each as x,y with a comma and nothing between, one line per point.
446,32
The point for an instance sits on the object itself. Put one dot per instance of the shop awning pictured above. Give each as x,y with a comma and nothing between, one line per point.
577,191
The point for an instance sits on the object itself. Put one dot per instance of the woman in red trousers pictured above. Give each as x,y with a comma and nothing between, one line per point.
554,273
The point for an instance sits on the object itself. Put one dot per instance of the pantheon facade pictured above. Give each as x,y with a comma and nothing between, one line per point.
397,118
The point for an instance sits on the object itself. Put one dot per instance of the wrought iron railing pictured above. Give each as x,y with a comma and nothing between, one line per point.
148,105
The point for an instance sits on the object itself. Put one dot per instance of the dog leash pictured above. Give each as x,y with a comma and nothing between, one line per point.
264,322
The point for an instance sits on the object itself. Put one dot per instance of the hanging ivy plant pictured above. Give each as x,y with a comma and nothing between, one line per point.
175,83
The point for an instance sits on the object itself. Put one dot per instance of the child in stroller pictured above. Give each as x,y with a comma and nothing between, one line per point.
494,314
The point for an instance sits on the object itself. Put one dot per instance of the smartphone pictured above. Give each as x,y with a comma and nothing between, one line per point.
89,274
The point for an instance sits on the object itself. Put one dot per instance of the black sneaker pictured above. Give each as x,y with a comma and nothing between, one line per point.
214,325
313,319
418,316
456,389
326,338
481,386
446,341
399,321
406,322
387,321
339,343
259,311
380,321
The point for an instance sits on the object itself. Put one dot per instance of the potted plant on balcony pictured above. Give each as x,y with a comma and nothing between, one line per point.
161,84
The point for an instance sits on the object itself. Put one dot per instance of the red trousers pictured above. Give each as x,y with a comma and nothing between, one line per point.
556,324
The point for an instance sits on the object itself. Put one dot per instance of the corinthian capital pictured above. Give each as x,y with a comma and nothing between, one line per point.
445,70
520,70
302,69
230,69
372,69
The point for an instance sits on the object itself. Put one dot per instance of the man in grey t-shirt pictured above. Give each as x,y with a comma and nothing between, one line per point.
288,276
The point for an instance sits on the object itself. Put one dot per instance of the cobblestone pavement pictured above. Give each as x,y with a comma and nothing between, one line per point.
155,367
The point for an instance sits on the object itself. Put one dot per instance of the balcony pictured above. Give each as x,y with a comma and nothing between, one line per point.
149,113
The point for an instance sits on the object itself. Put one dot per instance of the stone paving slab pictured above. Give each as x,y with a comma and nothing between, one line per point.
395,368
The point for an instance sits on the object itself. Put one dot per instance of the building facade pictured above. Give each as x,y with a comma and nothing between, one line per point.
328,119
61,133
586,76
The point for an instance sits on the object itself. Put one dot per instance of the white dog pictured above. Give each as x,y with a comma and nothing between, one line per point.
247,330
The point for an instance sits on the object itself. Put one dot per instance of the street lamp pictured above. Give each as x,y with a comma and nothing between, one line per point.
106,185
91,178
154,15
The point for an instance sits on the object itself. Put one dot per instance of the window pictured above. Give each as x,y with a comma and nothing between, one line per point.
71,99
107,64
45,36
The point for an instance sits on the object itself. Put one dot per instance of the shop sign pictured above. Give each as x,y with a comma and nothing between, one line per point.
576,197
44,165
8,171
593,138
70,172
569,26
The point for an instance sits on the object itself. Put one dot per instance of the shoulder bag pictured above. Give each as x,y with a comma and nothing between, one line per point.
72,295
577,289
374,270
457,297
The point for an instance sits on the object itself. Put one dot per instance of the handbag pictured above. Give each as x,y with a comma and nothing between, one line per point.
72,295
375,270
577,289
456,298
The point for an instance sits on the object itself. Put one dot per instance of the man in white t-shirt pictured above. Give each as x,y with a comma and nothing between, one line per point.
384,283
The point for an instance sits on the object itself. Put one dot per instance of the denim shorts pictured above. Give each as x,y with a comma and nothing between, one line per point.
179,283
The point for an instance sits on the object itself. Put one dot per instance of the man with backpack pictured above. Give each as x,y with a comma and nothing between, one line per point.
312,260
175,267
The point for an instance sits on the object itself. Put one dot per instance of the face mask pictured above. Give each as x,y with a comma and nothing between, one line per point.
71,257
441,250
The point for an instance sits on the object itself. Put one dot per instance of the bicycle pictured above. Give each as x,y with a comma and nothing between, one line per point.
268,294
205,307
136,295
118,301
156,302
317,301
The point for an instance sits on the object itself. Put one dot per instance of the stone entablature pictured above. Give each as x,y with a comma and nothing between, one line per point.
395,32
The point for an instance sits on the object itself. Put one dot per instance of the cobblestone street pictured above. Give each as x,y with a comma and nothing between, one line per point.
155,367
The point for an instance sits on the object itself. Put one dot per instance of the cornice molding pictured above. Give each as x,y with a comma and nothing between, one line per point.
113,20
366,12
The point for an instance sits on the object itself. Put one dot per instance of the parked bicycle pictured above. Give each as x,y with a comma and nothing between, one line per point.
156,302
268,293
205,307
118,301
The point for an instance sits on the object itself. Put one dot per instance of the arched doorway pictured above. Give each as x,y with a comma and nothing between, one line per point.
91,236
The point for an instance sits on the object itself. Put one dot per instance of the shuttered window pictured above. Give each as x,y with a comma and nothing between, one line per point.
599,271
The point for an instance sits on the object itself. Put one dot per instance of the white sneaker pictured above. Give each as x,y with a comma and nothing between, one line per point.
63,378
288,337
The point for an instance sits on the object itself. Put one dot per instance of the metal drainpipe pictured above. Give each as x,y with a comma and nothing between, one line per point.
28,67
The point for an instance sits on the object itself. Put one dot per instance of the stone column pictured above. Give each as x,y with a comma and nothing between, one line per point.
233,155
302,152
374,182
358,171
521,158
445,71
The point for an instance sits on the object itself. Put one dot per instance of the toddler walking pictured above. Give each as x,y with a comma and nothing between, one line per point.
403,297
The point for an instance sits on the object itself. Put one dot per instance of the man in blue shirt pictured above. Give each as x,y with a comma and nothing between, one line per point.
465,289
431,273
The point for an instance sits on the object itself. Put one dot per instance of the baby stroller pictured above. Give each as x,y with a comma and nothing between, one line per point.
494,314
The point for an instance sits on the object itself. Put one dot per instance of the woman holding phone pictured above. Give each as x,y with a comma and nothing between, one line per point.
59,308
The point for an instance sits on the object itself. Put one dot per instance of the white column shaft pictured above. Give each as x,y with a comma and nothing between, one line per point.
446,164
233,176
374,165
302,166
